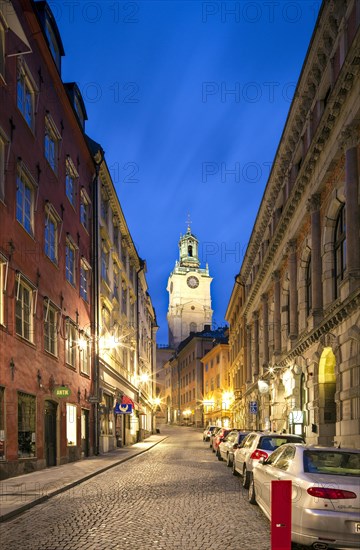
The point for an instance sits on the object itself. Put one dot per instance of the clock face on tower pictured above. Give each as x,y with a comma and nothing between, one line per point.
193,282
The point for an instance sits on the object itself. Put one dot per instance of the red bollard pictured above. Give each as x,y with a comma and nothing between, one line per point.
281,515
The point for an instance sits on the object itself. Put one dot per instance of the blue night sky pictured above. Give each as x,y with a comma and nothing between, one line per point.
188,100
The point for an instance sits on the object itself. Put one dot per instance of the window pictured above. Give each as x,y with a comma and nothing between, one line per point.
25,94
50,328
84,347
104,264
2,423
340,249
4,265
308,287
71,175
52,138
25,199
107,416
26,425
3,143
53,44
70,261
84,208
84,279
70,343
104,208
52,219
71,421
23,309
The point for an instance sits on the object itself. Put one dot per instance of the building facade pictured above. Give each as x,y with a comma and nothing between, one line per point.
294,311
218,387
189,292
46,173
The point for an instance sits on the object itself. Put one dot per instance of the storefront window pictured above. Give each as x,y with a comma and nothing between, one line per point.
71,424
26,425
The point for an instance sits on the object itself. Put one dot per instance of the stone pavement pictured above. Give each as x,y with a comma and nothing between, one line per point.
20,493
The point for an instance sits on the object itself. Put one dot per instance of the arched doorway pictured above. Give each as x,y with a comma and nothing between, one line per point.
327,405
50,410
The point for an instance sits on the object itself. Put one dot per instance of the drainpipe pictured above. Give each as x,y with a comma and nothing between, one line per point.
96,303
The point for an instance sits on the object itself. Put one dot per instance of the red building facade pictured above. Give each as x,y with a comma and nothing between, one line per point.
46,174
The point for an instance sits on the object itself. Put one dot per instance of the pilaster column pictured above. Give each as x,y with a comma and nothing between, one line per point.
316,262
352,208
277,313
256,342
293,300
265,317
248,354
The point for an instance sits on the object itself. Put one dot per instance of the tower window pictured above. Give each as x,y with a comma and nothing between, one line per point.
190,250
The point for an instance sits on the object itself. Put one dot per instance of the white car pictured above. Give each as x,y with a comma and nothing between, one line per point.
258,445
230,443
325,493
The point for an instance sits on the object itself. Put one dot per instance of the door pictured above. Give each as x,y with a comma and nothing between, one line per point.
50,433
84,432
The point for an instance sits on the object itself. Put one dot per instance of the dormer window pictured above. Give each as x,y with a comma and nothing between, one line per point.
53,45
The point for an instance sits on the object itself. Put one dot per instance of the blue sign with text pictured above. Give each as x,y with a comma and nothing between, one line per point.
125,408
253,407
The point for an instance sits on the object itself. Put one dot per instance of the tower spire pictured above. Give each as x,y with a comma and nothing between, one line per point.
188,223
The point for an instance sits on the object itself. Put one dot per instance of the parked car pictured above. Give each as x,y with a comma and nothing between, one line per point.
213,434
208,431
230,443
219,437
325,493
258,445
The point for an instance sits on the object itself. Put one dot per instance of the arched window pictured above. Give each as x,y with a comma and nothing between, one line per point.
190,250
308,288
340,249
193,327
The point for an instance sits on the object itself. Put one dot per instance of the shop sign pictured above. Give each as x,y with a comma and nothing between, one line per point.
62,391
123,408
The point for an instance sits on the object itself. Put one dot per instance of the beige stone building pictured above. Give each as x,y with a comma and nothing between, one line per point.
294,311
218,386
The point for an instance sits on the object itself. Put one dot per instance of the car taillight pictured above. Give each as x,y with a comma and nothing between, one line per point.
333,494
259,454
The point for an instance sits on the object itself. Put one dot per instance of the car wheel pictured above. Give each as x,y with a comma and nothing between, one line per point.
228,460
252,496
218,454
246,478
233,469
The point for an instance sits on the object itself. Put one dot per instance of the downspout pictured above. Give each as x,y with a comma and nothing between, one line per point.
96,304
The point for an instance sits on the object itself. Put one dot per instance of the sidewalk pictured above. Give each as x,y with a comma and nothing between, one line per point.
20,493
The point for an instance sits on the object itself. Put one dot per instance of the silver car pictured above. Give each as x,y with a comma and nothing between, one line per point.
325,493
258,445
228,446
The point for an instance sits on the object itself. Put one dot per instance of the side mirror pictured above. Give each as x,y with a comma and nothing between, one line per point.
262,460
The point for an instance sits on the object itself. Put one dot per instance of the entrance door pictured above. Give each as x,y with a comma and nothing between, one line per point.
84,432
50,433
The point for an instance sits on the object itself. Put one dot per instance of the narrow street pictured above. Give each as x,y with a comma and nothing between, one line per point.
176,495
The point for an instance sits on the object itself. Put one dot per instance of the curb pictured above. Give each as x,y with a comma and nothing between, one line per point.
18,511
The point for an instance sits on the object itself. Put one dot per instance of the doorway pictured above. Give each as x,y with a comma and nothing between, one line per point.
50,433
84,433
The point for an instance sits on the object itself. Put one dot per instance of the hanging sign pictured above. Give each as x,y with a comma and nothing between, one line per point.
253,407
123,408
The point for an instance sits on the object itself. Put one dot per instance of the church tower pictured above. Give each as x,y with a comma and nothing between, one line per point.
189,292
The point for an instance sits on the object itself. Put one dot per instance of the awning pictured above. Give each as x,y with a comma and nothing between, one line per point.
21,44
126,400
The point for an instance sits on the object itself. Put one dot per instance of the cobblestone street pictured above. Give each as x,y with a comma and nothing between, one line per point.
175,496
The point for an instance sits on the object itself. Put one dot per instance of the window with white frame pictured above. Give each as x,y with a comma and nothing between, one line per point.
52,220
52,139
70,343
25,89
84,279
3,282
25,199
70,255
84,208
70,181
85,354
50,328
71,425
24,309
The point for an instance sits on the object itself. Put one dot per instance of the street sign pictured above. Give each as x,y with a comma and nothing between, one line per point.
62,391
93,399
253,407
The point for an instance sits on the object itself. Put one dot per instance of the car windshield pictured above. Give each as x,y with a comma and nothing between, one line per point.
340,463
270,443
